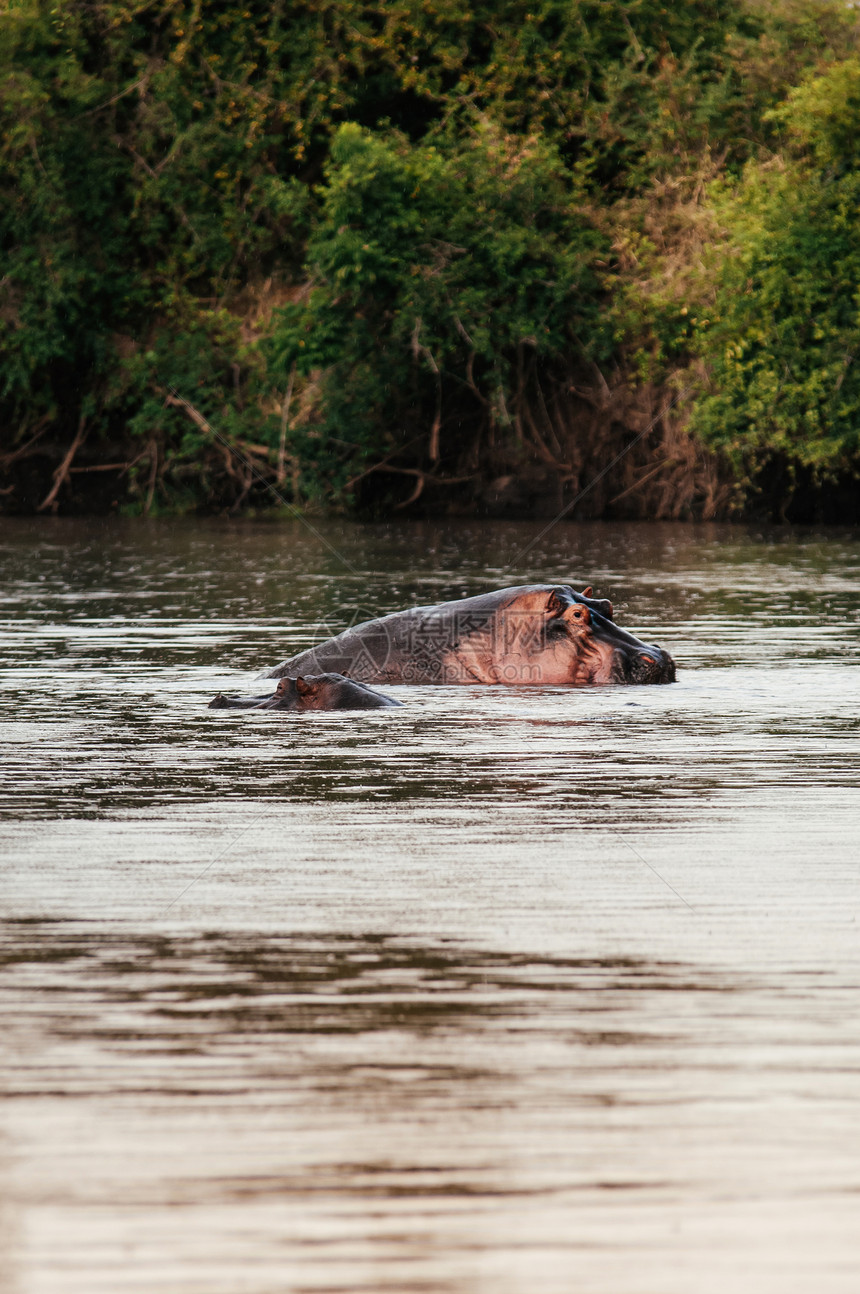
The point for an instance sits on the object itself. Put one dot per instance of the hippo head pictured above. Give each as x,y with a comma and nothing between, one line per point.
336,692
311,692
284,697
316,691
580,630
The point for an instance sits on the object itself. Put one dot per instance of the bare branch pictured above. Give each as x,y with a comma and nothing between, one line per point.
420,351
539,444
416,493
40,428
642,479
114,99
62,471
153,475
462,331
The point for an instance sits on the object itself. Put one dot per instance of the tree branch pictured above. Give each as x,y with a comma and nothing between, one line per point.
422,351
62,471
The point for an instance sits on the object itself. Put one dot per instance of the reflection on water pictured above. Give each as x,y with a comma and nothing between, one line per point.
206,994
502,991
376,1113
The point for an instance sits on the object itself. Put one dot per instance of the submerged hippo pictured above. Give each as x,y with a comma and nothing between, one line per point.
310,692
534,635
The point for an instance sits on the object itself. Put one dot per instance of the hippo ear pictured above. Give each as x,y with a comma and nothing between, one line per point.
303,687
588,591
556,602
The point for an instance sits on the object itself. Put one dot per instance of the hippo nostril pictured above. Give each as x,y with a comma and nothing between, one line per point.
642,668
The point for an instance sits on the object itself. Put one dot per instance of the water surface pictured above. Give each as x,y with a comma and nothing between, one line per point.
507,990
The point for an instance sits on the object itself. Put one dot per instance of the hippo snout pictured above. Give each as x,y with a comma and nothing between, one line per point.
649,666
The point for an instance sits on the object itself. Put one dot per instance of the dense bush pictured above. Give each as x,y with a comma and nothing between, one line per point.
785,333
285,242
438,273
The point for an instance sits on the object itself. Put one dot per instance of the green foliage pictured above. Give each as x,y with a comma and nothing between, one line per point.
775,51
821,117
68,275
447,193
437,272
784,337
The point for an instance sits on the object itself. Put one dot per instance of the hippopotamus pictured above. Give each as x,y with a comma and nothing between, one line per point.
310,692
534,635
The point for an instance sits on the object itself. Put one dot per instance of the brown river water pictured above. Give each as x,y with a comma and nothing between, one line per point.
507,991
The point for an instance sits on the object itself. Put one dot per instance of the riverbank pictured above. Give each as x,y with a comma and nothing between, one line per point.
430,260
